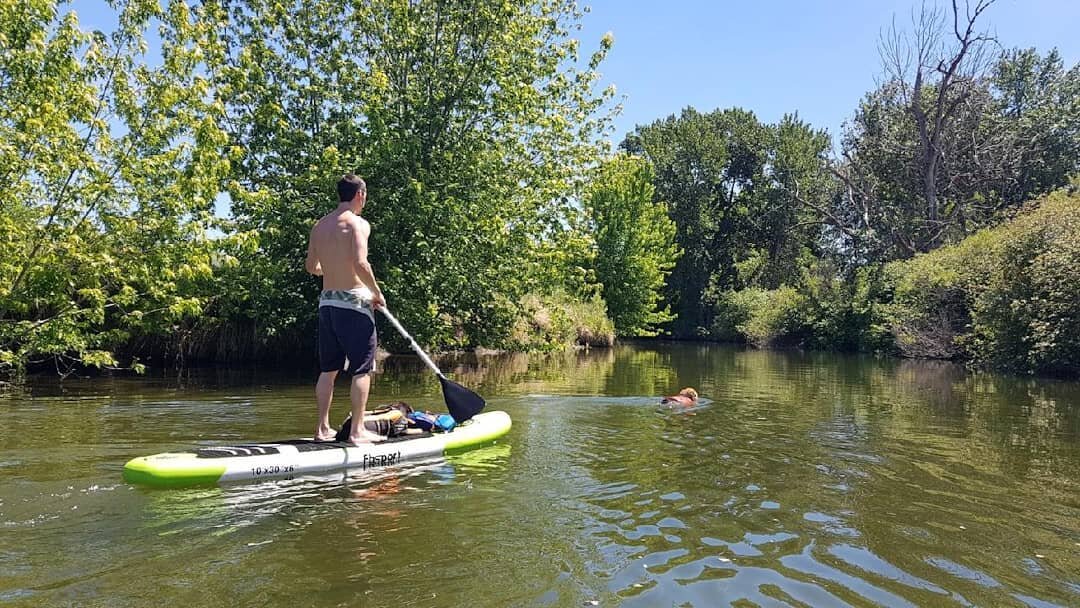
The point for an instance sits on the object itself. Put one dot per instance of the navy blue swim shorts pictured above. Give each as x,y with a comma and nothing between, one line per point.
346,334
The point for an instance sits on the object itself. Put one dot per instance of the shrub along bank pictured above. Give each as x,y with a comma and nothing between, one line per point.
1007,297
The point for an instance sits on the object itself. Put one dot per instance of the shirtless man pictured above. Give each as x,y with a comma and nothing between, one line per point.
338,252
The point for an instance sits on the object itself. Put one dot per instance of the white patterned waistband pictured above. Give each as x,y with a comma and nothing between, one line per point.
350,299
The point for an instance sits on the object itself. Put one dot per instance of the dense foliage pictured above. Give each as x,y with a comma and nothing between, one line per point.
158,182
733,185
470,121
1007,296
1014,134
109,165
474,123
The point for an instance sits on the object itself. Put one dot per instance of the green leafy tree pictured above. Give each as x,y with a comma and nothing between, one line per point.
635,244
1038,102
745,198
109,164
790,228
469,120
705,169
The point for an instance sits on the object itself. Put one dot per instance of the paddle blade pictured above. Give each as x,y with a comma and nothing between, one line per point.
460,401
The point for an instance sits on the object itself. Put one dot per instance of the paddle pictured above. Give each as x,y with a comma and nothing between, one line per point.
460,401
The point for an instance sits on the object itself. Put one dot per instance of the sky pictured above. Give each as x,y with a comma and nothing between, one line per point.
814,57
817,58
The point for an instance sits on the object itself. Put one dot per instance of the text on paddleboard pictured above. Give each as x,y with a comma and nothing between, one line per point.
273,469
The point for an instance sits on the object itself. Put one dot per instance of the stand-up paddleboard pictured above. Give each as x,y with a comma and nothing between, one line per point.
283,459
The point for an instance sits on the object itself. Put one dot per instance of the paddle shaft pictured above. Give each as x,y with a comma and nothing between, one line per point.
462,402
412,343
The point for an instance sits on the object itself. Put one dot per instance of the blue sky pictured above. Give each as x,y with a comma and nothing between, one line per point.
817,57
814,57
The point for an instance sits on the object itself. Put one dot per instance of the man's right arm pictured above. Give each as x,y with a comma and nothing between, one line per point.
312,263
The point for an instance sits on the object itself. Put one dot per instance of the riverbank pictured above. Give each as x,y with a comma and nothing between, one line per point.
1006,298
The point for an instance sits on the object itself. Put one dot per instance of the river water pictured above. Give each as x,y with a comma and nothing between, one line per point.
805,480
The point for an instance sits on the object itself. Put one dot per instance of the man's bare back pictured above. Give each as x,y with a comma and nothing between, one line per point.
338,252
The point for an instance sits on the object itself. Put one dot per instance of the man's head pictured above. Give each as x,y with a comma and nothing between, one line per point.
352,189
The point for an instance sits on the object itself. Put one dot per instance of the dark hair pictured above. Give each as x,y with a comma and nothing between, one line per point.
347,187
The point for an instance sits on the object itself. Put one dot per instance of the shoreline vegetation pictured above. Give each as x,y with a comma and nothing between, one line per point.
157,198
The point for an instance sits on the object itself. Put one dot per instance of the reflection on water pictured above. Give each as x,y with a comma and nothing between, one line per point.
803,480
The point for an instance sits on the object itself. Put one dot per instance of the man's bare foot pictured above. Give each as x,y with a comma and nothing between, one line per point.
366,436
325,434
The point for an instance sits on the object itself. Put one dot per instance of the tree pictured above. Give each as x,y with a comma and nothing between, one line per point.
1038,105
109,164
634,242
955,136
705,169
935,79
791,224
469,120
741,195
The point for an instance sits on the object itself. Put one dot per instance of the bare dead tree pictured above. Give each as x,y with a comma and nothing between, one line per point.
956,136
937,69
